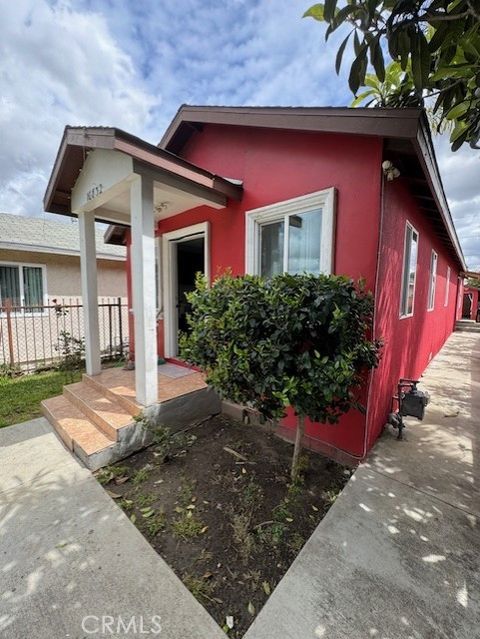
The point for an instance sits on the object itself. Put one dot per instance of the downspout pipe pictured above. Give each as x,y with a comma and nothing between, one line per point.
374,332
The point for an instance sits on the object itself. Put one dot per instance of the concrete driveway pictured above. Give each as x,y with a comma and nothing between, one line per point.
398,555
69,556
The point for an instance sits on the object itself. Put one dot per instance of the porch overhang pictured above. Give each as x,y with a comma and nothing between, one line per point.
95,167
107,175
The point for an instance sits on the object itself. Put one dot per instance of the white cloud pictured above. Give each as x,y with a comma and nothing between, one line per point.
131,64
460,173
57,66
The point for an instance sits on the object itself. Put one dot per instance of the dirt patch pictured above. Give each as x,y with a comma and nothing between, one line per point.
217,504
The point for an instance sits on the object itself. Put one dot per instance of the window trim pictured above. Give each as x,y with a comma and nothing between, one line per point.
414,230
20,266
432,282
447,286
255,218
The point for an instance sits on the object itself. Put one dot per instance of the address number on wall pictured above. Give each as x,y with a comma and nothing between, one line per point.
96,190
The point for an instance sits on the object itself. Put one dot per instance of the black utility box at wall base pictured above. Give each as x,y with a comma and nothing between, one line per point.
413,402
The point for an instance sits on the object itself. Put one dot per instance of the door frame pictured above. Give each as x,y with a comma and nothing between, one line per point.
470,297
169,271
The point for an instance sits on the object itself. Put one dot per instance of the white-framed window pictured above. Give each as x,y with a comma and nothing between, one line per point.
294,236
447,287
24,285
432,285
409,274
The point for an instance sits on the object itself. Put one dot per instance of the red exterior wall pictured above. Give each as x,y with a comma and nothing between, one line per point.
411,342
276,166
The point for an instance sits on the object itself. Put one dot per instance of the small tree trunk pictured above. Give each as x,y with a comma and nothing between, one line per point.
298,445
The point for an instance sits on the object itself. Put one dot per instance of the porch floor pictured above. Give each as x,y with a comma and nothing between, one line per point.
95,418
173,381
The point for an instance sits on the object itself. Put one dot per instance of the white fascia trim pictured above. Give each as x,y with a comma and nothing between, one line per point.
427,159
33,248
325,199
186,231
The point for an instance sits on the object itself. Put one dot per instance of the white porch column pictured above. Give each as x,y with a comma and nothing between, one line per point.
88,270
143,289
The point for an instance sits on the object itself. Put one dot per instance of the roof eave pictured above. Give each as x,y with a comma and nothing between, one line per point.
142,151
408,124
426,156
54,250
115,235
361,121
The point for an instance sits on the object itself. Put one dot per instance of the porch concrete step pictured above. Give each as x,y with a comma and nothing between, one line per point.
110,416
95,417
78,433
114,393
468,326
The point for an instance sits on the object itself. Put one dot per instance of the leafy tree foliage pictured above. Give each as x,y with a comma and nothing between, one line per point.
473,282
292,340
377,92
435,42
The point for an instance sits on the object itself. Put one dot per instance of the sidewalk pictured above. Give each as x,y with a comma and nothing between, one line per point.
398,555
67,551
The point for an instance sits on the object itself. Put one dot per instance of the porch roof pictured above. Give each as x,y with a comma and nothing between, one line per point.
77,142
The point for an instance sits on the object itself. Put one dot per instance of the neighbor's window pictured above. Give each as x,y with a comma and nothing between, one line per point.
295,236
433,281
409,271
447,287
22,284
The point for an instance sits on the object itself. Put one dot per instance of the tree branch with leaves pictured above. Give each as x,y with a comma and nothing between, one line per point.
436,45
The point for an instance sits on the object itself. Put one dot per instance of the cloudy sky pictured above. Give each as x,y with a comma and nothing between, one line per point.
132,63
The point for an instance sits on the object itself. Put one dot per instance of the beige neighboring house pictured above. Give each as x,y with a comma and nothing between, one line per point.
40,267
40,260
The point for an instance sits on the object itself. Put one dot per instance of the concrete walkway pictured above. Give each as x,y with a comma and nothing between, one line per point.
398,555
68,553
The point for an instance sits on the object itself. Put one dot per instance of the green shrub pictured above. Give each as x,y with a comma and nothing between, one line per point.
291,340
72,352
9,370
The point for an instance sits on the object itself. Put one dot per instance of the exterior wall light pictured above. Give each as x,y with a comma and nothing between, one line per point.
390,171
160,208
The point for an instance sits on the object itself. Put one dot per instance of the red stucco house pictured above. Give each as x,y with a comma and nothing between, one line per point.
263,190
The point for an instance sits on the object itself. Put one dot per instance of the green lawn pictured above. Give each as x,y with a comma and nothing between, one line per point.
20,397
